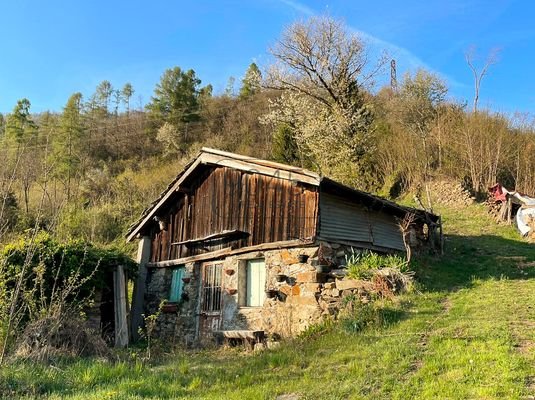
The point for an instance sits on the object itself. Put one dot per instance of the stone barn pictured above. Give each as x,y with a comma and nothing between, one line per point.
238,247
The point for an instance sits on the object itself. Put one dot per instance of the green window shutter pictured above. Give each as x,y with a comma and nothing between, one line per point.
176,285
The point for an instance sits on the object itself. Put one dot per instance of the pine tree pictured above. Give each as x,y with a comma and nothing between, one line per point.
251,82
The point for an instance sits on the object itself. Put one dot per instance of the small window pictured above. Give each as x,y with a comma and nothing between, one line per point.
256,283
177,285
211,288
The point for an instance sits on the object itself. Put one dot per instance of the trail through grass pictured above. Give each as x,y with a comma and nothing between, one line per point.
468,334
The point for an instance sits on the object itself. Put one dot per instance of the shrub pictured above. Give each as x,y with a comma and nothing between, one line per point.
42,278
363,265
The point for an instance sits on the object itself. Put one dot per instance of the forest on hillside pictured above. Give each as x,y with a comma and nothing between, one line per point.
88,171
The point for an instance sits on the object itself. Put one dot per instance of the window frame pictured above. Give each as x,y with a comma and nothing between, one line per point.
243,275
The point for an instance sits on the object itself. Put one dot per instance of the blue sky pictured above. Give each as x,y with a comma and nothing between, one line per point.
52,49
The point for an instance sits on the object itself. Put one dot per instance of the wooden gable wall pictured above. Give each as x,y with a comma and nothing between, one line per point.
266,209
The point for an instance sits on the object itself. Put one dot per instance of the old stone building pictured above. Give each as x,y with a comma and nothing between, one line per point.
241,246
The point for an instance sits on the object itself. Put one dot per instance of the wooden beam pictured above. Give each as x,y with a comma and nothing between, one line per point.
119,296
228,251
190,259
259,169
258,161
138,297
213,236
363,245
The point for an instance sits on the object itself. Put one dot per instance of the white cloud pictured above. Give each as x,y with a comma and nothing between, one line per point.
298,7
404,57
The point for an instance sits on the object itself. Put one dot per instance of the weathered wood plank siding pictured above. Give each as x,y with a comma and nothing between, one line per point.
221,199
346,221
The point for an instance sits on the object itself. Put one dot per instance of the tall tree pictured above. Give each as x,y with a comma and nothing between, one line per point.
127,93
418,104
323,71
251,82
2,125
103,94
19,125
176,102
21,135
68,144
470,56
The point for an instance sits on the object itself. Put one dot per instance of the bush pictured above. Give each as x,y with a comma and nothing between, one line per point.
364,265
53,279
66,336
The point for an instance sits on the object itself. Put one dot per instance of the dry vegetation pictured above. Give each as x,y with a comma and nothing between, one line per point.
88,171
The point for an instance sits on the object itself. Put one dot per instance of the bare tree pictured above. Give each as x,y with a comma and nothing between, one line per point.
324,73
471,56
321,59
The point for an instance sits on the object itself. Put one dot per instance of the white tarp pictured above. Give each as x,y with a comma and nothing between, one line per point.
524,213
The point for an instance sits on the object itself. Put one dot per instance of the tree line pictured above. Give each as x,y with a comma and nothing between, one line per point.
88,170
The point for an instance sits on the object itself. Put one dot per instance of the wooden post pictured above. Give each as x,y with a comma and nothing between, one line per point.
119,302
441,236
138,298
509,210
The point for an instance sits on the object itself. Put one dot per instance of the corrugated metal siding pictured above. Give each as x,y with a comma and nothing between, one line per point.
386,232
351,222
342,220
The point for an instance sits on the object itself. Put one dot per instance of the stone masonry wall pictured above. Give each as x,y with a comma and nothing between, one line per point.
176,322
301,297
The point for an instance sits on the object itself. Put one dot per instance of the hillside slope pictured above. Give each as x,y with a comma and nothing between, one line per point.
468,334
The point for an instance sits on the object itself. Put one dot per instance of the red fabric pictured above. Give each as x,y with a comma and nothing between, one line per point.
498,192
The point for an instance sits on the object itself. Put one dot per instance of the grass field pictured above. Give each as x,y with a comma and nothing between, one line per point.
468,333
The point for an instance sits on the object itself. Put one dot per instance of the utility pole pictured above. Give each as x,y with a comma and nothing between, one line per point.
393,78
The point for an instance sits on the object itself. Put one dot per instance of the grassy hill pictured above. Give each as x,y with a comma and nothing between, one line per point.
467,333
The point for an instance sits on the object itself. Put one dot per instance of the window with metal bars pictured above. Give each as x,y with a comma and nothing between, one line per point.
211,288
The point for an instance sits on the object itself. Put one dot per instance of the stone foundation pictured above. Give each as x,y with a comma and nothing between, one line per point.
302,296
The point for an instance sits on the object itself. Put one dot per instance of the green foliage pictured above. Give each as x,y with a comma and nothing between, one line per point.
19,124
59,262
99,224
251,82
176,102
9,211
363,264
67,147
175,98
284,147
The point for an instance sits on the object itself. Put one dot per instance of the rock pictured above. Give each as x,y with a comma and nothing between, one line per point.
288,258
344,284
311,287
339,273
303,300
307,277
290,290
273,345
329,285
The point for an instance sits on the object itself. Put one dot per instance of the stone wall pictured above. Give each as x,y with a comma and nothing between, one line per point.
302,296
176,322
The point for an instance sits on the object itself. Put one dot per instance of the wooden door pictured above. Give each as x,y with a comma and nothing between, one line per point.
211,300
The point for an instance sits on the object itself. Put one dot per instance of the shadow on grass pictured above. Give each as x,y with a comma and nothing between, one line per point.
468,258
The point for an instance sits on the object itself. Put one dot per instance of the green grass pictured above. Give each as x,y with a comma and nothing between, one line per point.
468,333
